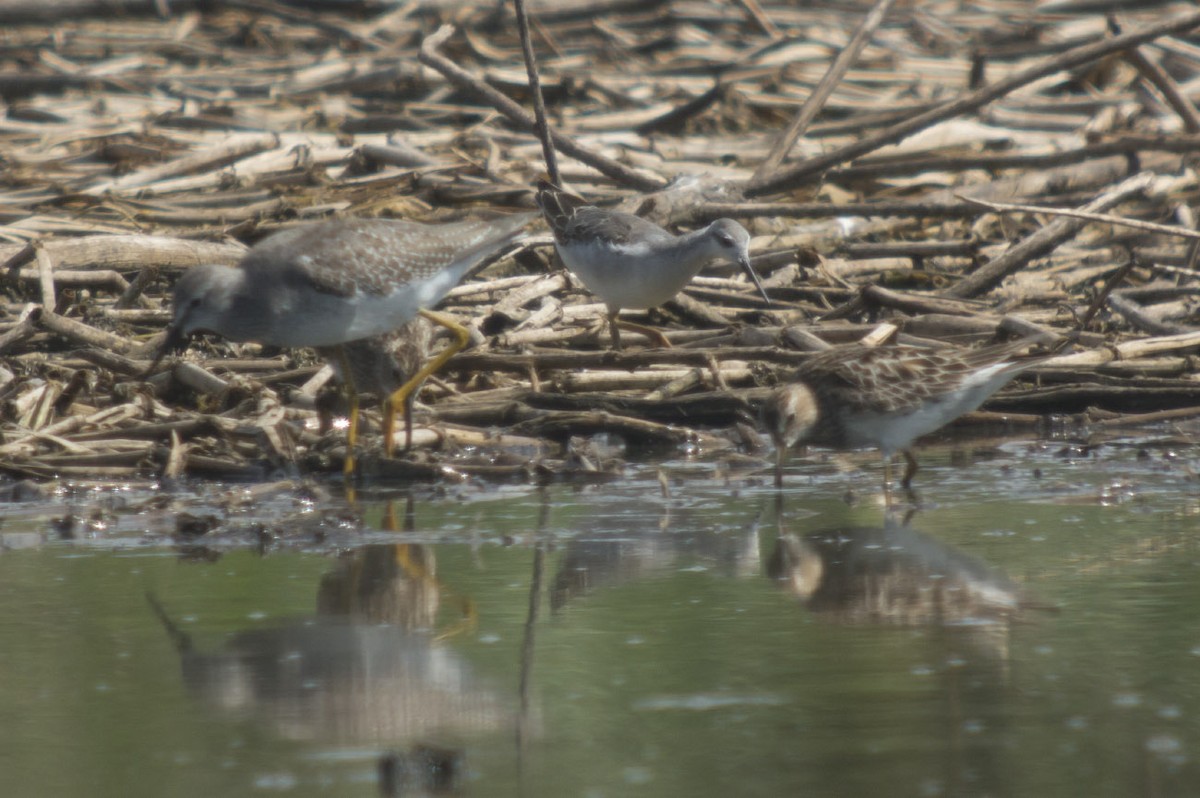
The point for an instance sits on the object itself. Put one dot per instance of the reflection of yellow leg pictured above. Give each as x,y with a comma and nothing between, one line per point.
412,568
910,470
352,403
412,562
399,397
470,617
887,481
390,522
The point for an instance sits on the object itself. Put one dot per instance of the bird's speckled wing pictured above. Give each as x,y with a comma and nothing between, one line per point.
375,256
897,379
573,220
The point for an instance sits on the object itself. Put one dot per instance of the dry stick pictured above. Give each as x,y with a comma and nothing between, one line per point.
128,252
1137,419
803,171
1113,281
1128,350
49,277
133,292
25,327
465,81
1136,315
84,334
298,17
18,256
816,101
1043,241
45,276
873,169
231,149
1159,78
760,18
673,120
827,210
1103,218
541,127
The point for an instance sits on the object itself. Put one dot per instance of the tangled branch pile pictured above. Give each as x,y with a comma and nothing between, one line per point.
133,148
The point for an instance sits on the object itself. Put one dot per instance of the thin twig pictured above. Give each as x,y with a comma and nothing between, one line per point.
816,101
1113,281
806,170
541,127
1043,241
464,80
1104,218
1158,77
760,18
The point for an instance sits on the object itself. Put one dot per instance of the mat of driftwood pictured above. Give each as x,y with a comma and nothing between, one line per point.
902,164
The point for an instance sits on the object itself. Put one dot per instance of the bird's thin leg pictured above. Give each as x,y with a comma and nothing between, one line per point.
910,470
887,480
409,401
389,418
389,422
614,329
656,336
352,409
780,456
462,337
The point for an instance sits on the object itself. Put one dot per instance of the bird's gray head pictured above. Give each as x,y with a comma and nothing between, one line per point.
202,298
731,242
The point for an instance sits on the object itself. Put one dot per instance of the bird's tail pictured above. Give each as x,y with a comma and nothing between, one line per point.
558,207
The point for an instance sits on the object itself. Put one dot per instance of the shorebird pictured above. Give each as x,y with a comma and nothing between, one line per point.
329,283
630,262
886,397
380,365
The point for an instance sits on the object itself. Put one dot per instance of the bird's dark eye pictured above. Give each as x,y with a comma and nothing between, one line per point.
724,239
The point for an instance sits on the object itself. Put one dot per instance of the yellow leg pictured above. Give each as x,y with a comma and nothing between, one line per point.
400,395
352,403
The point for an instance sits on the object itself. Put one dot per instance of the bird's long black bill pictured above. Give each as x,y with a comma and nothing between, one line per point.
173,344
749,270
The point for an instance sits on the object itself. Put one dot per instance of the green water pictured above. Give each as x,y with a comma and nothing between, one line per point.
1033,630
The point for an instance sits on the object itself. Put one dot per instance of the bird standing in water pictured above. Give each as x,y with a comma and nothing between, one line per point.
886,397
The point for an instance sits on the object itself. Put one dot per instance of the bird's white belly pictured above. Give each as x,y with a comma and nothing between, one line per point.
626,279
325,320
892,432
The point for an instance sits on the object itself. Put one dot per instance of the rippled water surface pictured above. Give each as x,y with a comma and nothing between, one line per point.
1033,629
